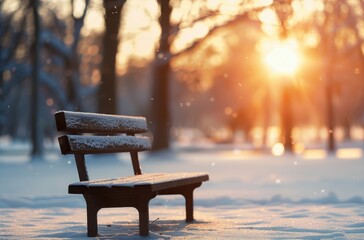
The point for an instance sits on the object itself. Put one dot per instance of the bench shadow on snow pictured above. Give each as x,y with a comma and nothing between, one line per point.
159,229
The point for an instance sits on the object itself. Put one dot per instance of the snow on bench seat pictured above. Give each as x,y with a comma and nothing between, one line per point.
153,181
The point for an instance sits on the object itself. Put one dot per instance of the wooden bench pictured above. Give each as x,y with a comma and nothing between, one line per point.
104,133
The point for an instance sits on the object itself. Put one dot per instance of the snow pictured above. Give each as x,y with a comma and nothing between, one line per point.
84,143
81,120
250,195
138,180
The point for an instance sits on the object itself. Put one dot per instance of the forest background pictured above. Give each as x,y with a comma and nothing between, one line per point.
199,70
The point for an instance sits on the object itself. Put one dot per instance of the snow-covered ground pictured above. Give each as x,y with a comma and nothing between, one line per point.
250,195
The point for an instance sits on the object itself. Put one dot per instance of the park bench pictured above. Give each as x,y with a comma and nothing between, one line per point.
92,133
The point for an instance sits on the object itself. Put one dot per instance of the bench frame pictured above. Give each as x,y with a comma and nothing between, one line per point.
137,196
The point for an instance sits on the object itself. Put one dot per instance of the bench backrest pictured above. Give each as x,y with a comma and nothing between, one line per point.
90,133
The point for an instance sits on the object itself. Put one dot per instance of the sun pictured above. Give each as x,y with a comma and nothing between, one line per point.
283,58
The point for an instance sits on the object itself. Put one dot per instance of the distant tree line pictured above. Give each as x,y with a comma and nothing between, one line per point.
216,79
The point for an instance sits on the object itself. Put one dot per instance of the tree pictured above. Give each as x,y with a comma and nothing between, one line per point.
284,12
331,73
161,121
37,138
107,91
53,71
343,64
160,95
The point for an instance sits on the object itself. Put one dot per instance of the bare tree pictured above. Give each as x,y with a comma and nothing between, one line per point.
161,121
107,91
37,137
160,95
53,69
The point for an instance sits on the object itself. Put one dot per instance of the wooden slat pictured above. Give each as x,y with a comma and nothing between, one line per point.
81,144
150,181
81,122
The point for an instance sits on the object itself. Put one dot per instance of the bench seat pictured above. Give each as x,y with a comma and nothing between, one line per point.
147,182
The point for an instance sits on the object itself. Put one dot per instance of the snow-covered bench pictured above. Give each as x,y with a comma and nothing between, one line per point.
106,133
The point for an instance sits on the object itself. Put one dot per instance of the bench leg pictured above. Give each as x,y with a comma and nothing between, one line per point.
92,221
187,193
143,210
189,205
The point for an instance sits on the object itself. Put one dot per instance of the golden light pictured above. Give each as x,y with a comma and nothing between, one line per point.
283,58
270,21
349,153
278,149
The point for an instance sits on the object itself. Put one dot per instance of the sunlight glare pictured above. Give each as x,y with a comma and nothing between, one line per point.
94,21
268,16
283,58
213,4
230,8
278,149
200,30
349,153
315,154
78,8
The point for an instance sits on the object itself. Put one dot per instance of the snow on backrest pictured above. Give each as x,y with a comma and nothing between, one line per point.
82,122
102,144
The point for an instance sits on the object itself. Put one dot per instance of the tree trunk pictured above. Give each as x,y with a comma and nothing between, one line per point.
73,61
287,123
160,102
328,38
107,91
266,116
330,119
37,134
330,113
